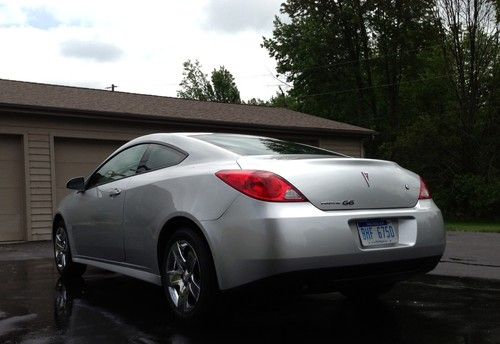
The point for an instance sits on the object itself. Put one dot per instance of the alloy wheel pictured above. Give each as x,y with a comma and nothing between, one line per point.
61,248
183,276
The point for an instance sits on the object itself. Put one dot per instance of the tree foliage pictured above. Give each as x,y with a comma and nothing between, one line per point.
195,84
424,74
280,99
225,89
220,88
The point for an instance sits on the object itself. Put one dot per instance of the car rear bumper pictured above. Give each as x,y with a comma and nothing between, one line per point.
256,240
344,277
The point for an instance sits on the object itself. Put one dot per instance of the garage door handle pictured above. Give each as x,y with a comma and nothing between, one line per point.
115,192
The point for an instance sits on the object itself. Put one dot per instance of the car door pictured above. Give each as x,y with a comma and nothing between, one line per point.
148,199
99,233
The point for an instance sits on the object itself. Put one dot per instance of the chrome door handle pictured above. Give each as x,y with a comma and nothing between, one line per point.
115,192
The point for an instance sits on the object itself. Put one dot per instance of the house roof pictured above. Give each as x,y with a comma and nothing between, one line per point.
37,96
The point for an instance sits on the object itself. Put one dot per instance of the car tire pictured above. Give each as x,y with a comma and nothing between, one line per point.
189,279
62,254
369,292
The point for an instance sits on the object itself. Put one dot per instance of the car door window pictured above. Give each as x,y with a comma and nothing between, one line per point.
160,156
122,165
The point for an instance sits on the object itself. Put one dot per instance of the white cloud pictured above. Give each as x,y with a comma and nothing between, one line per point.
91,50
238,15
144,44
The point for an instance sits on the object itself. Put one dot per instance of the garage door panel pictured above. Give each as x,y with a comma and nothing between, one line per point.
10,148
78,157
87,151
12,227
10,171
72,170
10,201
12,189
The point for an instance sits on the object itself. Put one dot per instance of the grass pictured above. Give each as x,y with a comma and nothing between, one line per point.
489,227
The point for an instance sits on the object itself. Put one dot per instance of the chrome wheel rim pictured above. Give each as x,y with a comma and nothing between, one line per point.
61,248
183,276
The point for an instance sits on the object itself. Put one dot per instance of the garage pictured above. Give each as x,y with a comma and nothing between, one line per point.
12,188
51,133
78,157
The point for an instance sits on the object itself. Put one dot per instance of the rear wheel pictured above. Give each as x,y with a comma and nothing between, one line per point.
189,276
368,292
62,254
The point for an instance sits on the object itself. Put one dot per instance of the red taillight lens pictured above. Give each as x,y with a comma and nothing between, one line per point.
424,190
262,185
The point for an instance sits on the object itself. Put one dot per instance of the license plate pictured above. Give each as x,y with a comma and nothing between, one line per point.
377,232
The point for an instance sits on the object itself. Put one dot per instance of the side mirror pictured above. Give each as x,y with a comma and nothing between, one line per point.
77,183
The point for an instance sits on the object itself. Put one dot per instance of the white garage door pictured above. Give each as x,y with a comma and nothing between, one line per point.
78,157
11,188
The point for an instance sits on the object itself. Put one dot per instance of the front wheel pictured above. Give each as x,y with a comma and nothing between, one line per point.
189,276
62,254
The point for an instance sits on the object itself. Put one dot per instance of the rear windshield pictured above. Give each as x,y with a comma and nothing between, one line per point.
248,145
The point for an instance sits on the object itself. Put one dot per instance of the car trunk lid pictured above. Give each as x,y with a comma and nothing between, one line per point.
343,183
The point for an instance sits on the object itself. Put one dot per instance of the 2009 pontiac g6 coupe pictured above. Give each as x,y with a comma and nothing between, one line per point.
200,213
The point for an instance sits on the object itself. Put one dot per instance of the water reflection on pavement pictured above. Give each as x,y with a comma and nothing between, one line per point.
37,307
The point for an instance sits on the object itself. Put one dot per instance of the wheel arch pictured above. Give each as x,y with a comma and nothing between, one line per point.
169,228
57,218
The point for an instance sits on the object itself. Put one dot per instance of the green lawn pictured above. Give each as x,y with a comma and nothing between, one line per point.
490,227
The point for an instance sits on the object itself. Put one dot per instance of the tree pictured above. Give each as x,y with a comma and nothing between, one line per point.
403,31
346,59
225,89
195,84
284,99
257,102
471,51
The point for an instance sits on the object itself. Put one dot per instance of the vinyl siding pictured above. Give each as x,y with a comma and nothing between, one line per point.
40,185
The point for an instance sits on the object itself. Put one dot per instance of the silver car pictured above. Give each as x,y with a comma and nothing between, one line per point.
201,213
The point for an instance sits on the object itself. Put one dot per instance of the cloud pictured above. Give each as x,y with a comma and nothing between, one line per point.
97,51
240,15
40,18
146,42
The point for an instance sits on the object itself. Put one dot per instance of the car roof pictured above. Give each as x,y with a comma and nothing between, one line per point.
197,149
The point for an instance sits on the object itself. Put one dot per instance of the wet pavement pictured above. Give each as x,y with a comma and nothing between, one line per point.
103,307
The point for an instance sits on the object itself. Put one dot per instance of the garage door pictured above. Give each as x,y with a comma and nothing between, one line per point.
78,157
11,188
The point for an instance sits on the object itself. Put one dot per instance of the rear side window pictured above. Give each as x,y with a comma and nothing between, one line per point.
248,145
159,156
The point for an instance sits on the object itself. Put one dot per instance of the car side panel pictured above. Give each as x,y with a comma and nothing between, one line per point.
191,191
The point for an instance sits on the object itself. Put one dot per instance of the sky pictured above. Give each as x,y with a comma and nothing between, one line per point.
138,45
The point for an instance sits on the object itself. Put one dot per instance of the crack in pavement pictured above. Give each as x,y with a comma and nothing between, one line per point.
473,264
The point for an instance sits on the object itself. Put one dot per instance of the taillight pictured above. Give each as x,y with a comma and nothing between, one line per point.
261,185
424,190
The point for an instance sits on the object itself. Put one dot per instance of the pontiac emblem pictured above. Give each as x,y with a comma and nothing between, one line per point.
366,177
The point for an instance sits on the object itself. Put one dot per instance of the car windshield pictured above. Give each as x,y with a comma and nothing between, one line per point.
248,145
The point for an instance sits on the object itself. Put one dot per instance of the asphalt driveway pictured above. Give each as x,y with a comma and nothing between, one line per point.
460,305
473,255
